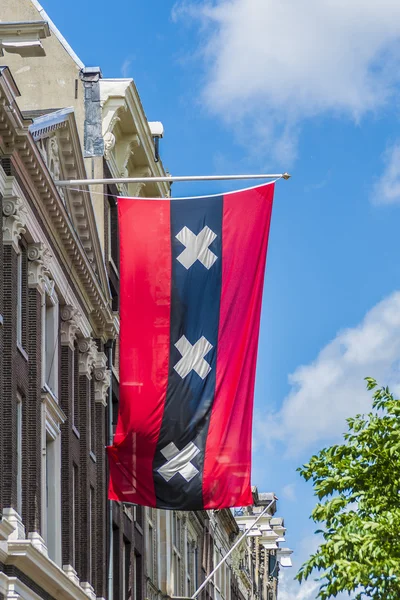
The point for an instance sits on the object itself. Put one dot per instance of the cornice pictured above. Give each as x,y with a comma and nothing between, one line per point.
135,104
34,235
59,228
43,571
47,201
125,98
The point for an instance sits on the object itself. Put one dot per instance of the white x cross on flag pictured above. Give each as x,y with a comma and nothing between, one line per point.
179,462
193,357
196,247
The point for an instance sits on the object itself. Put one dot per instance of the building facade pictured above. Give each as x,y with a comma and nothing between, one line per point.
60,538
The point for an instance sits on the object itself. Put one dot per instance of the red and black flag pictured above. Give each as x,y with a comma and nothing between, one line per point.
191,280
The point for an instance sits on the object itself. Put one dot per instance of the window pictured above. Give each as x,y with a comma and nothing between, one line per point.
50,342
176,553
139,515
19,299
150,548
138,577
91,535
91,419
52,418
116,562
176,531
221,577
19,454
73,390
74,500
207,556
52,507
191,566
217,576
126,570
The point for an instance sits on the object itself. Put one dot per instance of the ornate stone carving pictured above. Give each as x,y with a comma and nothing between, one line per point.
135,189
14,220
69,325
102,378
38,271
109,143
50,151
129,153
87,356
54,158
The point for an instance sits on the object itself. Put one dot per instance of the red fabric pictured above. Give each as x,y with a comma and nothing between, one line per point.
145,292
227,465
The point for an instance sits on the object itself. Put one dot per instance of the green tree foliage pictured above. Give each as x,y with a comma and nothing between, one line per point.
358,488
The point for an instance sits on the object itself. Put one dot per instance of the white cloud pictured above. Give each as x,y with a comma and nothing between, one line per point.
332,388
125,69
387,188
288,492
270,64
291,590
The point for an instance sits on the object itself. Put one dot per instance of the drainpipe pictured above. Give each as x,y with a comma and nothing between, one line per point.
110,579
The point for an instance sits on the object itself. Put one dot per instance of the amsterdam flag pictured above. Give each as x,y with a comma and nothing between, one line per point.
191,280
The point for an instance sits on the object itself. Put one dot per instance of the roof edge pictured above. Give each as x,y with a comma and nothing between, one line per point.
7,71
58,34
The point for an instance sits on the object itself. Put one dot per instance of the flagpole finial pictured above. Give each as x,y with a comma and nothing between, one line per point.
286,176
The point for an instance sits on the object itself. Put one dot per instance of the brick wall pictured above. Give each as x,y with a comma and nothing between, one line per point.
67,443
2,426
15,374
31,418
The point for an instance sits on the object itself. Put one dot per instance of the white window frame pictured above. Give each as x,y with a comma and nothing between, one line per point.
73,493
73,388
50,340
52,418
19,299
91,509
176,553
134,575
19,454
149,541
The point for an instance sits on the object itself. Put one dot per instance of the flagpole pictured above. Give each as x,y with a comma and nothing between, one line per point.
235,545
167,179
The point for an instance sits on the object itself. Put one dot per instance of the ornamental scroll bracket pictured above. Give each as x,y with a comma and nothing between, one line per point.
14,220
69,325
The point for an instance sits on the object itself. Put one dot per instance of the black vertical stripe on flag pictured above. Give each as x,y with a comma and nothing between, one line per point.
195,306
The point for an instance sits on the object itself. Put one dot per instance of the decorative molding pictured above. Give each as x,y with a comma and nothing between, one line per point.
15,520
38,266
121,97
26,556
89,590
38,542
102,378
70,317
130,150
35,232
14,221
54,415
6,529
109,143
135,189
87,356
71,573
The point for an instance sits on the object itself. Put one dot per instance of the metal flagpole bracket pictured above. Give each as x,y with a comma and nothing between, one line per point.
167,179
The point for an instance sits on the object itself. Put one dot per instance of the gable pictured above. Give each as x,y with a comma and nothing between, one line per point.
57,140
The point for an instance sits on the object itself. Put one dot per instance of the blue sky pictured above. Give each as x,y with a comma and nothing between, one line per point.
311,88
